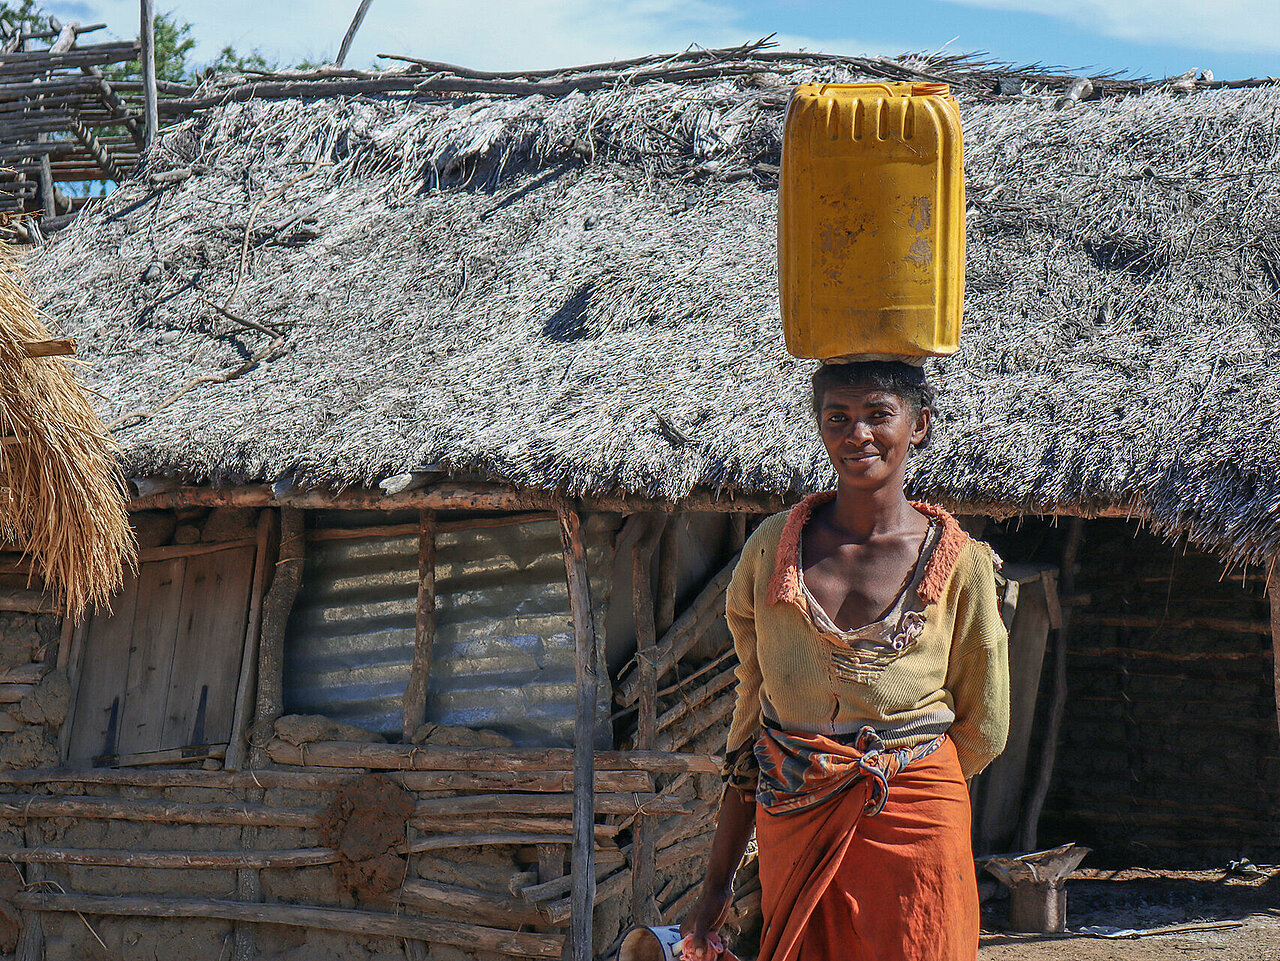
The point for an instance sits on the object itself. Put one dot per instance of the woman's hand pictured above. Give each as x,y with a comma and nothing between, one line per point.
701,929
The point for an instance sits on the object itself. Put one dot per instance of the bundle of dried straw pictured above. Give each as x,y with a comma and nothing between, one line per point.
62,497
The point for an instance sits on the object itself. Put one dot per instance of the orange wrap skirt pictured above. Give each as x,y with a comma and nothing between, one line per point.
839,884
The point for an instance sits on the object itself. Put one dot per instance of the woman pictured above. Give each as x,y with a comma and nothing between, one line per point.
873,681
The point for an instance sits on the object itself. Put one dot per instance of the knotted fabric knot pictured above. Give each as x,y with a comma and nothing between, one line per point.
799,771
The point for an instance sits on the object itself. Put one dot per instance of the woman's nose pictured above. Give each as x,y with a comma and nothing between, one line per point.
860,432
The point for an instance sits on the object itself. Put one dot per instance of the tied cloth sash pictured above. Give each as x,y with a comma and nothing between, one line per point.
801,771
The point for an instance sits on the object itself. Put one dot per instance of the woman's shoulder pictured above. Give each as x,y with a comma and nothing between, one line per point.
761,548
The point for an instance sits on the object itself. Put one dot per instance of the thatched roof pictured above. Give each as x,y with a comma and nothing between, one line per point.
579,293
62,498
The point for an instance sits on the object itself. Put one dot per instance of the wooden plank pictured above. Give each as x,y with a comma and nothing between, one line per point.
586,663
151,656
208,648
998,791
104,660
1057,706
173,755
415,695
170,551
75,668
57,347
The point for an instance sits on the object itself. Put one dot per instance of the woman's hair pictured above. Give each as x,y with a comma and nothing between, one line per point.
894,377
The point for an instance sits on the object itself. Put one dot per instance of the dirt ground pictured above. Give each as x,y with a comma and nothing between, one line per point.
1139,898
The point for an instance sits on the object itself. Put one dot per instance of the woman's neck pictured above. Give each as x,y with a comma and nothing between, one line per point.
862,514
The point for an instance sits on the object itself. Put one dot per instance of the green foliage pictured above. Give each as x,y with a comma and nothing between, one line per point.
28,10
231,61
173,43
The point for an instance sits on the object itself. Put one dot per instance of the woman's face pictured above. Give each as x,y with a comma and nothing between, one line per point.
868,433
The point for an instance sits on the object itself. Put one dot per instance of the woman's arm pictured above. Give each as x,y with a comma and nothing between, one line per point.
737,809
733,831
978,675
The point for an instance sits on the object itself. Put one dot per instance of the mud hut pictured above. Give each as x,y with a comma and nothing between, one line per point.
431,382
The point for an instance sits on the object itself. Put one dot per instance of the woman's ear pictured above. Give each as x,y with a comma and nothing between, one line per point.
921,429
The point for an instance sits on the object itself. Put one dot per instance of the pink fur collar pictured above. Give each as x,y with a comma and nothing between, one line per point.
784,585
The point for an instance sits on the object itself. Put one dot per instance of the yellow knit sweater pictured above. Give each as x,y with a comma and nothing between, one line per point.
951,674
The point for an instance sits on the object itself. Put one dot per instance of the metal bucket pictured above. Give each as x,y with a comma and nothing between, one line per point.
651,944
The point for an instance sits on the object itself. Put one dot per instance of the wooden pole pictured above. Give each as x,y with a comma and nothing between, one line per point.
151,107
669,576
351,32
1273,592
275,617
1058,706
643,909
582,899
268,531
415,695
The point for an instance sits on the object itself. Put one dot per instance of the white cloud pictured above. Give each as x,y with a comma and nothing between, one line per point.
1227,26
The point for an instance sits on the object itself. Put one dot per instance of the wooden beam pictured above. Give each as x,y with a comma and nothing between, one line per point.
410,757
172,860
586,659
115,106
558,782
424,631
97,151
468,936
449,495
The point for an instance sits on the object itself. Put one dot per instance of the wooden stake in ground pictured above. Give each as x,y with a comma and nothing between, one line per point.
585,659
643,909
1273,592
351,32
415,695
151,107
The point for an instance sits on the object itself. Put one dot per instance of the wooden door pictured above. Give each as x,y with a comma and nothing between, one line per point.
158,675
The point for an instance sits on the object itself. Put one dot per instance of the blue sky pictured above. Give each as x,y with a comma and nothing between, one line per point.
1233,38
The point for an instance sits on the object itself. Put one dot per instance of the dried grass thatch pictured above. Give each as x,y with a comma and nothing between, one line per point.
579,293
62,498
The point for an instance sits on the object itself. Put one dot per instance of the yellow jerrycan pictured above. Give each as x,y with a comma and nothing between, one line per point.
871,221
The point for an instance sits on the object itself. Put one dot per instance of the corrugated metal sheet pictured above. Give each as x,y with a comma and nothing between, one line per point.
503,652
